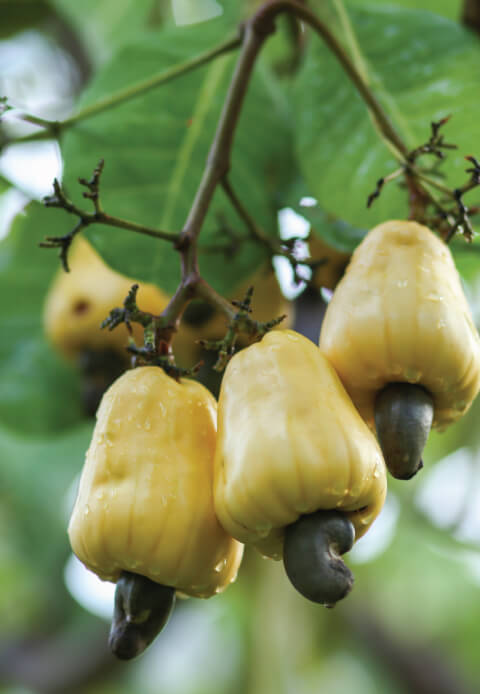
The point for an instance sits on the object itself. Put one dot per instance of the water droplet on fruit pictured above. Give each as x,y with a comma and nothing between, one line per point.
434,297
220,566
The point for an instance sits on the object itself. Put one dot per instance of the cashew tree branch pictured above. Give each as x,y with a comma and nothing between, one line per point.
53,129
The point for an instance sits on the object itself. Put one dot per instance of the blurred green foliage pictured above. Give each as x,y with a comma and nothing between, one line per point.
414,612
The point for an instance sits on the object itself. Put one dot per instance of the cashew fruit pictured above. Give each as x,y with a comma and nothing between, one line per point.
145,502
290,443
78,301
399,316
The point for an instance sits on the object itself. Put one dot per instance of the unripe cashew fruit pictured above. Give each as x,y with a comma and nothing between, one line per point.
78,301
145,502
290,443
399,316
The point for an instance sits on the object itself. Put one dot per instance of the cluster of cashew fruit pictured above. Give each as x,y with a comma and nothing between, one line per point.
78,301
174,485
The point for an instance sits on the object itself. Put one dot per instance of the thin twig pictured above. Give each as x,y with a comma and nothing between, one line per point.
254,230
55,128
284,248
255,31
59,199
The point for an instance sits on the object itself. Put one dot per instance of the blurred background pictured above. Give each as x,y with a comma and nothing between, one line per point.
412,622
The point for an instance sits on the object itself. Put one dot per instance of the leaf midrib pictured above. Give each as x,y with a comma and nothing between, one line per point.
194,133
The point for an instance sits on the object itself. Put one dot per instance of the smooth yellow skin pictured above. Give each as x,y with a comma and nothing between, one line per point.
400,314
145,502
290,442
78,301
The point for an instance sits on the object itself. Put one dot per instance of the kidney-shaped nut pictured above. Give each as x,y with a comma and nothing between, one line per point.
145,503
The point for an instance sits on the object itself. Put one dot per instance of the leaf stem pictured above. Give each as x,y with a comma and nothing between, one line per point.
103,218
59,199
351,38
55,128
428,180
256,31
379,115
254,230
251,38
218,161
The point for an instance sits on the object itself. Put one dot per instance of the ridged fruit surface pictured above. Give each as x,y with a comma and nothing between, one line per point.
400,315
289,443
145,502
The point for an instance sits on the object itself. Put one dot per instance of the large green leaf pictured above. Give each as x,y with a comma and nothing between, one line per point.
39,393
421,67
446,8
103,25
155,149
21,15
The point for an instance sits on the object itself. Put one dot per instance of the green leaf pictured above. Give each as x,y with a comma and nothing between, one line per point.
446,8
467,258
4,184
335,232
37,470
20,15
105,25
155,149
421,67
39,393
35,477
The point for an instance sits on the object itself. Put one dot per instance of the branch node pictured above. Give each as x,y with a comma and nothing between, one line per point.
241,323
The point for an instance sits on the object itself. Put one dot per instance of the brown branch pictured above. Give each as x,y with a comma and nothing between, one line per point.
257,29
471,14
59,199
254,33
56,128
